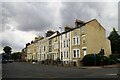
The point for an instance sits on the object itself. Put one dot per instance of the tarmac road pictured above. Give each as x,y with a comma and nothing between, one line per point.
28,70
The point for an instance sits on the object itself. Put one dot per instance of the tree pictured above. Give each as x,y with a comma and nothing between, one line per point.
7,49
114,37
16,55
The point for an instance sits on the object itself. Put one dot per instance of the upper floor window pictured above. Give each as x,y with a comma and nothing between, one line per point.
65,35
55,46
64,54
67,54
76,40
83,40
55,39
40,49
44,48
67,42
64,43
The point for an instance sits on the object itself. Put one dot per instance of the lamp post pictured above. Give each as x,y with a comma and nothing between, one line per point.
61,44
69,51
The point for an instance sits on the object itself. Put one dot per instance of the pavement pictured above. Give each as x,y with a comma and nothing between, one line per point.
105,66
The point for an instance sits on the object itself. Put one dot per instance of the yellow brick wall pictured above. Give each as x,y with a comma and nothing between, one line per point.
96,38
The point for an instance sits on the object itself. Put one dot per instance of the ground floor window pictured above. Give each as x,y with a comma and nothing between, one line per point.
65,62
76,53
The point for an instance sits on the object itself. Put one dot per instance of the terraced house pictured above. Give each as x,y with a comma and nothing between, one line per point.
48,46
72,44
54,46
43,50
31,51
85,38
65,46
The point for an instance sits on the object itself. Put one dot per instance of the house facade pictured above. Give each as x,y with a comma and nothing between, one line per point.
47,48
85,38
43,49
65,47
29,52
24,54
54,46
72,44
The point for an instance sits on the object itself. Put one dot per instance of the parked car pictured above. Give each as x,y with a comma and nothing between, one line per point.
4,61
10,61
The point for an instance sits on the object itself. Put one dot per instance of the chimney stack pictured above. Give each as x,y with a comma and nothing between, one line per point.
67,28
49,33
78,23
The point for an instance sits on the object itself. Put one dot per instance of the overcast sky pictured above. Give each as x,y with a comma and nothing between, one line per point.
22,21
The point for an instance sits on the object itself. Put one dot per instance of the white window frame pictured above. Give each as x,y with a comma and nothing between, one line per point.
83,40
76,53
67,55
64,54
64,43
76,38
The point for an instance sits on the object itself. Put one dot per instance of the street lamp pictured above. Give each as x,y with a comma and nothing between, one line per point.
61,42
69,51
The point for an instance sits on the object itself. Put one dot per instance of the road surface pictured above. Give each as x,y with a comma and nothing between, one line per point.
29,70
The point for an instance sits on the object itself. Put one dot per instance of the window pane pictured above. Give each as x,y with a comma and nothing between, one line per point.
66,35
74,41
77,40
67,54
64,54
74,53
64,43
67,43
78,53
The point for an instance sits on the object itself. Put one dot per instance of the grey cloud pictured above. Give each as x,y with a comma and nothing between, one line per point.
74,10
28,16
15,46
39,17
89,10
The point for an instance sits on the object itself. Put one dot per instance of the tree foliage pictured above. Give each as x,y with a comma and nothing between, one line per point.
114,37
16,55
7,49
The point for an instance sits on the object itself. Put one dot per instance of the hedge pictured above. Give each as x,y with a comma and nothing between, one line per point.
96,60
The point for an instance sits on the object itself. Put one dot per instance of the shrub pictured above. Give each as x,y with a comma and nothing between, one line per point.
89,60
113,58
58,61
95,59
106,60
